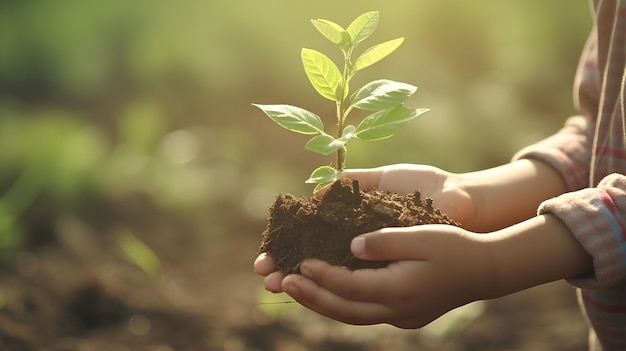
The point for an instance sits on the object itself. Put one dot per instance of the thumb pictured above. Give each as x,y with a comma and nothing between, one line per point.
368,178
390,244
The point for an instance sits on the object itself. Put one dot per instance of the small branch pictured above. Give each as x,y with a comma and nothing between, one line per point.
341,113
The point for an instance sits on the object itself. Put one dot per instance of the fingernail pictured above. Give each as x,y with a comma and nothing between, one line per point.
358,246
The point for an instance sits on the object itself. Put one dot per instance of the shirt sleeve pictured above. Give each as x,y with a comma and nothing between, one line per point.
597,218
568,151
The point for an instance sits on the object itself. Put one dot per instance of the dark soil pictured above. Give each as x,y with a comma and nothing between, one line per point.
305,227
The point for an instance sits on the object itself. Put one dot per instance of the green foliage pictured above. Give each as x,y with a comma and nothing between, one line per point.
294,118
53,160
323,175
323,74
138,252
384,98
385,123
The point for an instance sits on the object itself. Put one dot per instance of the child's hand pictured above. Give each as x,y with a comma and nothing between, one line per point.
437,268
445,189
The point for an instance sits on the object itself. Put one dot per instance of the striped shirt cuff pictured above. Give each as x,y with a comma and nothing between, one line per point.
596,217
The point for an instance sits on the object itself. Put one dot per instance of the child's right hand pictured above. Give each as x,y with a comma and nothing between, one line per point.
445,188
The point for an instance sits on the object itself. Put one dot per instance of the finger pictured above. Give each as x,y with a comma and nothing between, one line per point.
365,285
326,303
368,178
273,282
393,244
264,264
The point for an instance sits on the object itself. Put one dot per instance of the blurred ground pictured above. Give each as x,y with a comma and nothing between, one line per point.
79,292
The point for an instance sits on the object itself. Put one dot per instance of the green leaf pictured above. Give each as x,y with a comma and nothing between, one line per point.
138,252
332,31
381,94
294,118
325,144
363,26
348,133
324,175
377,53
321,186
322,73
383,124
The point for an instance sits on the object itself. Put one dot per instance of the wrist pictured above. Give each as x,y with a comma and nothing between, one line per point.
534,252
510,193
463,195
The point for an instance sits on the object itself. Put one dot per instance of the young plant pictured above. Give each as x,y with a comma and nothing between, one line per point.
383,99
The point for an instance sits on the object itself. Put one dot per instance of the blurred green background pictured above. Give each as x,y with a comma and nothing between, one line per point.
99,100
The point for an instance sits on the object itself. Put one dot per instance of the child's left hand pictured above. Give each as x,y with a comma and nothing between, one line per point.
437,268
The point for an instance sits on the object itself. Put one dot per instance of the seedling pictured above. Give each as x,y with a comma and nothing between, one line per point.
383,99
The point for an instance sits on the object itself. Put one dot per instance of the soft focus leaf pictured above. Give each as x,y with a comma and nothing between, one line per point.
363,26
322,73
377,53
138,252
382,94
325,144
332,31
383,124
324,175
293,118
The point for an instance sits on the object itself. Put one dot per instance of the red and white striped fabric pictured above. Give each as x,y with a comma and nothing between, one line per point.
590,153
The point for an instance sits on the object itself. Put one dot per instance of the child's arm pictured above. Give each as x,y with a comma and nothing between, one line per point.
437,268
510,193
482,201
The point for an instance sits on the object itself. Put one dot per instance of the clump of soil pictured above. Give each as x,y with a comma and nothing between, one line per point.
304,227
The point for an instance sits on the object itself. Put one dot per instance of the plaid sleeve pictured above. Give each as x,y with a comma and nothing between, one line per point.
597,218
568,151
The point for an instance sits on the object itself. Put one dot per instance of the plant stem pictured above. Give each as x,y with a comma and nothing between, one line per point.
341,113
341,152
